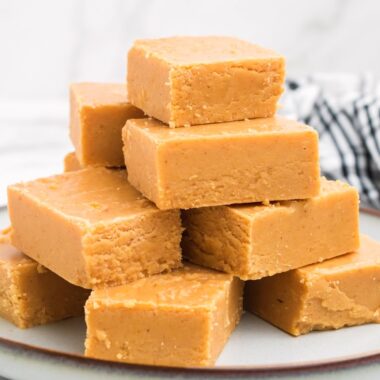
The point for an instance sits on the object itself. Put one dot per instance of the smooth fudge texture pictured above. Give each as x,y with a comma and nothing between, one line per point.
31,295
218,164
98,111
343,291
184,81
182,318
93,228
71,163
255,241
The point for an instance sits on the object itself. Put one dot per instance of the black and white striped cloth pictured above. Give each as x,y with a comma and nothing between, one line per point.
345,110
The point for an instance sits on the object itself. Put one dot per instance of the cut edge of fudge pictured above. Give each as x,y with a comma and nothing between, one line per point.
168,78
340,292
213,315
98,245
171,180
98,112
235,238
31,295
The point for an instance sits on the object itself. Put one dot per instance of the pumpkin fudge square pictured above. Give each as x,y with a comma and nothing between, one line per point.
98,111
253,241
93,228
182,318
221,164
30,294
344,291
184,81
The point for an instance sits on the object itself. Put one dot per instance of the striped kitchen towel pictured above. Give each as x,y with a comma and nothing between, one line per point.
345,110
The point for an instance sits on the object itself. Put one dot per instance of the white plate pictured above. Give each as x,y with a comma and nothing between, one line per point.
255,348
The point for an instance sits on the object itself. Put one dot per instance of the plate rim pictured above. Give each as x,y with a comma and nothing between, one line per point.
268,369
346,362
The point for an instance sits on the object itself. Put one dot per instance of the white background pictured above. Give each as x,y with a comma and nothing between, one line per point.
46,44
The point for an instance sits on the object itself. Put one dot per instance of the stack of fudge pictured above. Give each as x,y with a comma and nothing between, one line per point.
184,187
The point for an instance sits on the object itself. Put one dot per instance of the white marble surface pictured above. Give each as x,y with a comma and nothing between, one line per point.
45,44
33,141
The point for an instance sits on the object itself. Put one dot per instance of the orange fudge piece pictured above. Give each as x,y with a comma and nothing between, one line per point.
255,241
98,111
71,163
31,295
182,318
184,81
218,164
343,291
93,228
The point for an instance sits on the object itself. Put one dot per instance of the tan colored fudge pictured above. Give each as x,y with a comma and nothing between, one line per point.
31,295
344,291
255,241
182,318
71,163
93,228
5,235
219,164
98,111
184,81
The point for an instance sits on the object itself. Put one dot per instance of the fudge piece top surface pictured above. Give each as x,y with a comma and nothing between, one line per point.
327,188
188,287
99,94
92,195
235,129
368,255
203,50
